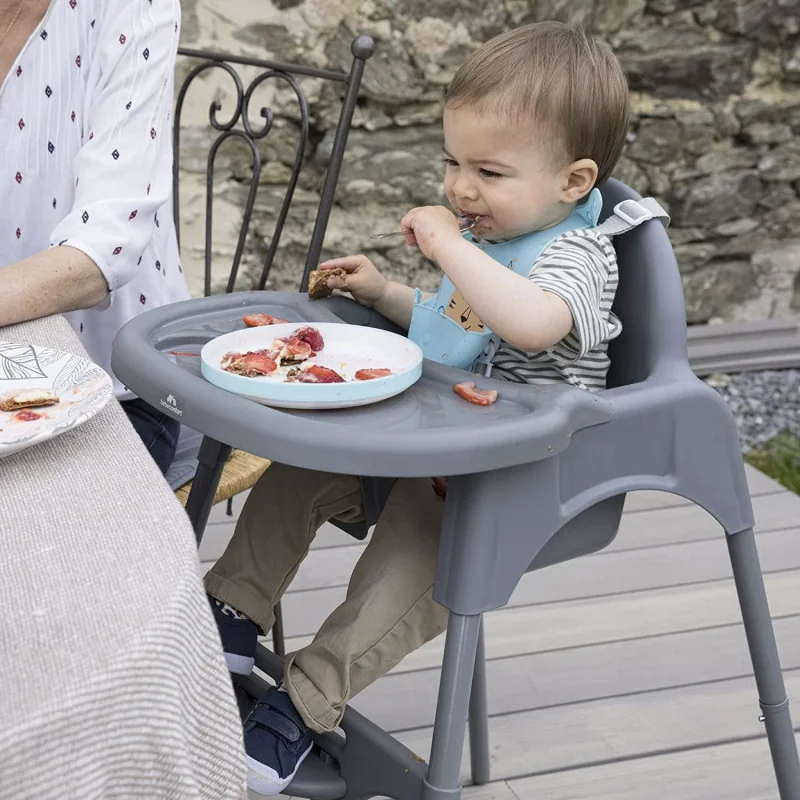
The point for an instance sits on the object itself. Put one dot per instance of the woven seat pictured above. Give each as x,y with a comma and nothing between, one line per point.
240,474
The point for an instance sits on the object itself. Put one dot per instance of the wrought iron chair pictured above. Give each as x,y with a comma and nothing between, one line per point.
241,470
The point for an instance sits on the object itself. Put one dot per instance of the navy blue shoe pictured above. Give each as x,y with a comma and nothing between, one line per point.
276,741
239,638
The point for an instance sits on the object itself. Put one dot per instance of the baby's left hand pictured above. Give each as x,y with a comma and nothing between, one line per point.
430,227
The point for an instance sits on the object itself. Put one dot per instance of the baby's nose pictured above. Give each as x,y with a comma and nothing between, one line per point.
466,189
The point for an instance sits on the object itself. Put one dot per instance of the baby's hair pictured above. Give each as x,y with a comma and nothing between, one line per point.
568,86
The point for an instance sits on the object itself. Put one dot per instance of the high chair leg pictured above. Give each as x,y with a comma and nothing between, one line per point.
211,462
766,665
479,718
460,648
278,642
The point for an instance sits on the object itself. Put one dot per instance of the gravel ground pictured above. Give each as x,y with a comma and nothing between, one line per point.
763,403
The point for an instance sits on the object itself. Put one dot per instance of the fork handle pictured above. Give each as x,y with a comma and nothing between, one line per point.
386,235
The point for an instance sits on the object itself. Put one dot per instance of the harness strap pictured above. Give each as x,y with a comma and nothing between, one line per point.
629,214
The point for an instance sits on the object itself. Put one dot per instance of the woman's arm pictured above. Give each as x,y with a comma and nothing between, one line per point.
51,282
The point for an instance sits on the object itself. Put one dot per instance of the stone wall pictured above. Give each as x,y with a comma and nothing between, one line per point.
714,130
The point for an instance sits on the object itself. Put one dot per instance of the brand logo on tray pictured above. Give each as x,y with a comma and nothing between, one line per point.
171,404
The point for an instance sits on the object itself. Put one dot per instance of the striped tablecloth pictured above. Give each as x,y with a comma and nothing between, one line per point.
112,681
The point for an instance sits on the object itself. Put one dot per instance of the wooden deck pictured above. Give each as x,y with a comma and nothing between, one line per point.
621,675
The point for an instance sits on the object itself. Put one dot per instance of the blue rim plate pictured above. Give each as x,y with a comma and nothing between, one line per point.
348,348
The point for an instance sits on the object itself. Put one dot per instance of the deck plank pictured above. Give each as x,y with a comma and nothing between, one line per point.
621,728
582,674
739,771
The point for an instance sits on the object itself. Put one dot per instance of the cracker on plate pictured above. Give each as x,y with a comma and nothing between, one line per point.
27,398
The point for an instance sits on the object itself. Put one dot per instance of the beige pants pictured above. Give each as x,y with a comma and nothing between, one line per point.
388,611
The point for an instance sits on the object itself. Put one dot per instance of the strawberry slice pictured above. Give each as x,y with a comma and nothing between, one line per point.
296,351
257,320
371,374
311,336
317,374
471,393
229,358
251,365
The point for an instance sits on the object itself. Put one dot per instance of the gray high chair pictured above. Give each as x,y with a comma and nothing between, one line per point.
536,479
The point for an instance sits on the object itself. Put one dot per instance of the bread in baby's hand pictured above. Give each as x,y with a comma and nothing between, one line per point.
318,282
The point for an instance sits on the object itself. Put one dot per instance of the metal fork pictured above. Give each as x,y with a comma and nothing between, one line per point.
466,222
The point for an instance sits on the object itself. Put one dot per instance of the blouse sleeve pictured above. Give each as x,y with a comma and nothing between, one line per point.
123,171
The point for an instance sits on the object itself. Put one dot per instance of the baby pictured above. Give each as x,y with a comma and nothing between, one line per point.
533,121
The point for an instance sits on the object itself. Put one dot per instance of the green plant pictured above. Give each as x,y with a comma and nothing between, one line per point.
780,459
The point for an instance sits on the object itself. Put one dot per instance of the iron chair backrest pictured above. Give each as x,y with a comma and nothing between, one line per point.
649,301
240,126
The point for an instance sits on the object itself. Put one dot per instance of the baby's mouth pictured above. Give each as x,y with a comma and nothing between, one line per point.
469,221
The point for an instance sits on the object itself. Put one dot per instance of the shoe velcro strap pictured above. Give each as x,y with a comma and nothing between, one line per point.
265,715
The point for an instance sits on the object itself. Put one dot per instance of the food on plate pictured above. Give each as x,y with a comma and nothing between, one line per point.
471,393
304,343
27,415
312,336
314,374
257,320
251,365
27,398
292,351
371,374
318,282
181,353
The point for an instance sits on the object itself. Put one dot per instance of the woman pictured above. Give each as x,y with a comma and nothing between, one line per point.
85,174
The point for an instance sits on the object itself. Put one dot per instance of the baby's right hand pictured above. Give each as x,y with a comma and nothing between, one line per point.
362,279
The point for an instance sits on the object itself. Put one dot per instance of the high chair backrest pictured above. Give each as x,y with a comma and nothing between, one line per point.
649,300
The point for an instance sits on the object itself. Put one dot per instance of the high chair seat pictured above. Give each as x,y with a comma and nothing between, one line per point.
240,473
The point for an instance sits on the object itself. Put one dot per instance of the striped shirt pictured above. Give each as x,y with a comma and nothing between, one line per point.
580,267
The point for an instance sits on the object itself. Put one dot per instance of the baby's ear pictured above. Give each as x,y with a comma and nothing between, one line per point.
579,179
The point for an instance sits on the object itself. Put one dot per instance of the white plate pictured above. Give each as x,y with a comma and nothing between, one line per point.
82,387
348,348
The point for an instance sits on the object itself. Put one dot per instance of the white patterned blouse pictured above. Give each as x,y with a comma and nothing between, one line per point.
86,156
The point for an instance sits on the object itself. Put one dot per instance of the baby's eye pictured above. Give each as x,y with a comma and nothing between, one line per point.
487,173
450,162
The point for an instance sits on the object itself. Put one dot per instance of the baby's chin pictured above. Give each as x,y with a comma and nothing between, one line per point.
489,229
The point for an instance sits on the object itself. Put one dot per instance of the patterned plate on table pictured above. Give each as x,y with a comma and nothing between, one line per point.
82,387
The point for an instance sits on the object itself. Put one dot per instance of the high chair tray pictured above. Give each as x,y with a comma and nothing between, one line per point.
426,430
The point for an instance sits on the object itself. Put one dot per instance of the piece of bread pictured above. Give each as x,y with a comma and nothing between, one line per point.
318,282
27,398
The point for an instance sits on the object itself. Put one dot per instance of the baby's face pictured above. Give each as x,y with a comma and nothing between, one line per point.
499,171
